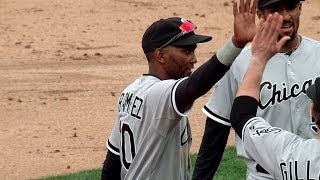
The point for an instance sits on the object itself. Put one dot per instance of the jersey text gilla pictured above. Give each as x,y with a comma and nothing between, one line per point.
290,171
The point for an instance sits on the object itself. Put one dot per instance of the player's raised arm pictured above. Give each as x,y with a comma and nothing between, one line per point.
244,22
216,135
264,45
279,76
202,80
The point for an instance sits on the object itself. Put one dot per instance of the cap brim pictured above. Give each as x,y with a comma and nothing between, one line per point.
193,39
311,92
267,3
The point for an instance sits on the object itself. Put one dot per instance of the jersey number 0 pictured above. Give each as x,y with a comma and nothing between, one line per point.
127,132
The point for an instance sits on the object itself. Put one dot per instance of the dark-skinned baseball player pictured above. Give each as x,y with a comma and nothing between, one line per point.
151,136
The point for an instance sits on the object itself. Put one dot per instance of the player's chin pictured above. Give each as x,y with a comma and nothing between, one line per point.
291,35
188,72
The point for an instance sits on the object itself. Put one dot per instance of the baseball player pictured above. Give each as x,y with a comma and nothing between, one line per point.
151,136
283,101
283,154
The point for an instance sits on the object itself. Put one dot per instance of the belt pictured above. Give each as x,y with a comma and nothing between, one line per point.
260,169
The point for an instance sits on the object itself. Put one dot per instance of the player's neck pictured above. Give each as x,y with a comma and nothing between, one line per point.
158,72
291,46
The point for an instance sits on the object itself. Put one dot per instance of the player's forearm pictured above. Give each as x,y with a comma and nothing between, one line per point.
264,45
250,85
199,83
213,143
228,53
111,167
207,75
243,109
246,103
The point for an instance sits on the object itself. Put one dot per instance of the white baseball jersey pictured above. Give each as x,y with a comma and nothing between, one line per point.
283,100
283,154
150,135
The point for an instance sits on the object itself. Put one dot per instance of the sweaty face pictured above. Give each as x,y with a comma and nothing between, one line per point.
291,15
180,61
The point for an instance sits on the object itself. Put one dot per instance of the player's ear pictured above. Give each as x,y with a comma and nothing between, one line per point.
313,110
160,55
300,7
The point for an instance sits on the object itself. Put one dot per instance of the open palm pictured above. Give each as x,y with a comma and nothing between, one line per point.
244,22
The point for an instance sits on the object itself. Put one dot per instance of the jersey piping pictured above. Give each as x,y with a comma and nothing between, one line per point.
113,149
215,116
173,94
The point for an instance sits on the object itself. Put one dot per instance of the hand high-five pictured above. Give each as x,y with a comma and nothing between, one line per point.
244,22
265,43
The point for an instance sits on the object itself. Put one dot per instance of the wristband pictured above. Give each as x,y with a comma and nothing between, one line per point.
227,54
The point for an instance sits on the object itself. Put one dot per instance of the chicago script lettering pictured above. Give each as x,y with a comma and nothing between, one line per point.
275,94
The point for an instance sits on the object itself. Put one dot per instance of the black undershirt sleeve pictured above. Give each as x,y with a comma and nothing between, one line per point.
215,137
111,167
211,150
199,83
243,109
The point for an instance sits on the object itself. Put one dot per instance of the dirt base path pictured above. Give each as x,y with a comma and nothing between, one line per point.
64,63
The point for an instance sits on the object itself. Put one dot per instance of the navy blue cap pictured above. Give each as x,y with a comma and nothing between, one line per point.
163,30
264,3
313,92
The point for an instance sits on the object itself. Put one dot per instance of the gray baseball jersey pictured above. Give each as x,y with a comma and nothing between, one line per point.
283,154
150,135
283,102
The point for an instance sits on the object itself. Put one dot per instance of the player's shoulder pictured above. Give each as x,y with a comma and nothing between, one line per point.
310,42
245,54
310,47
142,83
162,86
242,60
149,87
165,83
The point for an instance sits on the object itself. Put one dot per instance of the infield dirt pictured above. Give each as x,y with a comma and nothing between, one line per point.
64,63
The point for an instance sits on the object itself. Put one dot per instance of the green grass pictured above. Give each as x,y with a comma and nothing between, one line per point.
231,168
82,175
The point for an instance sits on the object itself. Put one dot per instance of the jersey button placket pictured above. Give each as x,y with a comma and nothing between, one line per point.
293,101
289,67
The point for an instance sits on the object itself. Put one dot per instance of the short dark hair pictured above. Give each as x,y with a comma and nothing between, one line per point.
313,92
317,118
